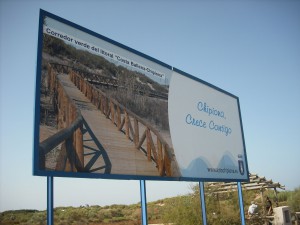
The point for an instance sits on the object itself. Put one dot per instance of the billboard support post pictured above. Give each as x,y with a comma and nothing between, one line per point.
241,203
144,216
50,200
203,207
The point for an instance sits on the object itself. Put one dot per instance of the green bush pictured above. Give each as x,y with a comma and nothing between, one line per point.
182,210
294,200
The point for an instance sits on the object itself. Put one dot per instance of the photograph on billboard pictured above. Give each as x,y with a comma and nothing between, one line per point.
104,110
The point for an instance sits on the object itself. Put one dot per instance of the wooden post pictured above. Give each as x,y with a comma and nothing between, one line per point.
101,104
87,91
81,84
61,112
84,88
94,96
79,149
107,110
69,113
77,81
153,149
90,93
167,162
127,125
142,139
118,117
112,109
67,164
148,144
160,158
136,132
98,100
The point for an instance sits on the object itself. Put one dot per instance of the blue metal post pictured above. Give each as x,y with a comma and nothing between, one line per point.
203,207
50,217
241,203
143,202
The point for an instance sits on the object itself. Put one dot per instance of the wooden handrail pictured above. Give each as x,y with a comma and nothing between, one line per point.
50,143
71,122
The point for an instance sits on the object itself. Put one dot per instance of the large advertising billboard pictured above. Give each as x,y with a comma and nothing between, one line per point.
104,110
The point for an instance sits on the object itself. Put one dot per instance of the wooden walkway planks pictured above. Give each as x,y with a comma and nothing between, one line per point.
106,149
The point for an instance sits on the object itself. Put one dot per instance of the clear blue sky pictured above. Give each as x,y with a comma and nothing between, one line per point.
248,48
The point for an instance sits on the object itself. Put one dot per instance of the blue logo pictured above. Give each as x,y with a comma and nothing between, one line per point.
241,167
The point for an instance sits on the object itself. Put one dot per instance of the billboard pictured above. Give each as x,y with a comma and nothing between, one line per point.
104,110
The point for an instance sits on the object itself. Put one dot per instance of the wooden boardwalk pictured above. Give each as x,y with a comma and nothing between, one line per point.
106,150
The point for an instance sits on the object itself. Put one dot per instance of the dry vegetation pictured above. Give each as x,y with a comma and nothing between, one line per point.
178,210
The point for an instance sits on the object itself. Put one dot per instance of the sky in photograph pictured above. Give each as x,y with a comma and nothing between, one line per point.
248,48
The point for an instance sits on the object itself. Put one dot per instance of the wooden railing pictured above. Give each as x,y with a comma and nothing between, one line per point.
109,82
130,124
70,136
